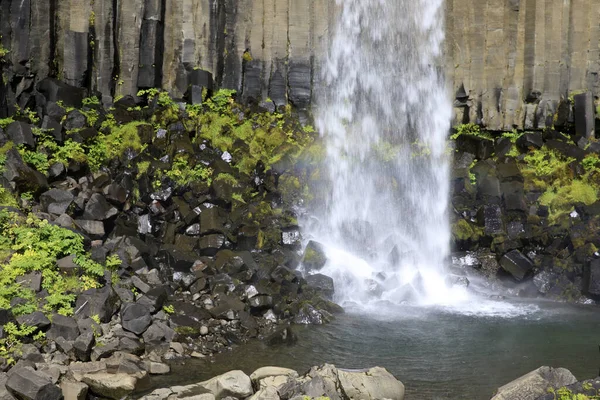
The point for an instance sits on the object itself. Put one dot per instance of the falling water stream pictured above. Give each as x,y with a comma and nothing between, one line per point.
385,114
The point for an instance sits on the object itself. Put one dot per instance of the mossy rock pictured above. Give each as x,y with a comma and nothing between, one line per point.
466,235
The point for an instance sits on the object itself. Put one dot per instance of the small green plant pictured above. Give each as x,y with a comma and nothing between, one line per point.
29,244
37,159
591,163
182,174
4,122
469,129
169,309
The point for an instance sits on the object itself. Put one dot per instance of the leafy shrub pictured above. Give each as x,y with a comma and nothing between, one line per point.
29,244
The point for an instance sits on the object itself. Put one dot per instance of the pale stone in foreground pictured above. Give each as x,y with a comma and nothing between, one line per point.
535,383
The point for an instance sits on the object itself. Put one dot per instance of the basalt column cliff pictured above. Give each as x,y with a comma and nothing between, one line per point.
509,62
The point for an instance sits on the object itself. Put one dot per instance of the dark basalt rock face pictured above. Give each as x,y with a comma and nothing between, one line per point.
531,208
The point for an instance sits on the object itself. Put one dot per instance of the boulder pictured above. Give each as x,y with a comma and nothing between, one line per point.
516,264
314,257
82,347
27,179
232,383
266,393
27,384
372,384
63,326
98,209
135,318
323,283
54,90
111,386
72,390
37,319
20,133
103,302
266,372
535,384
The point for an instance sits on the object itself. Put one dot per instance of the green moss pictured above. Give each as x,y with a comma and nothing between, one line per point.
463,230
226,178
560,199
186,330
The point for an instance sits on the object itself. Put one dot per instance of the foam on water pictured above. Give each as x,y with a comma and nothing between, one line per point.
385,114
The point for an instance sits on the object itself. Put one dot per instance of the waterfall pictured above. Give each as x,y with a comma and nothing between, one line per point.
385,114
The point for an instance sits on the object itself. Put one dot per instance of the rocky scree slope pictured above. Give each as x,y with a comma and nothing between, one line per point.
154,228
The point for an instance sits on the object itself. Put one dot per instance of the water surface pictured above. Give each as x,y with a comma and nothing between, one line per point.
437,354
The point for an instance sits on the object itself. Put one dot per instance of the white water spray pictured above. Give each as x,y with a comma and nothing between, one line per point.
385,115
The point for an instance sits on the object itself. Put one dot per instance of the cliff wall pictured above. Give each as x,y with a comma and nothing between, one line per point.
509,62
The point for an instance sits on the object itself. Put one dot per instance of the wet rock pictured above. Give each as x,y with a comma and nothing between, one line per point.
209,245
309,315
135,318
323,283
314,257
291,237
490,217
516,264
457,281
535,384
65,327
115,193
260,302
211,221
544,281
591,281
27,384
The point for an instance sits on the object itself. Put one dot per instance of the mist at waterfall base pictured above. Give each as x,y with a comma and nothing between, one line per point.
384,113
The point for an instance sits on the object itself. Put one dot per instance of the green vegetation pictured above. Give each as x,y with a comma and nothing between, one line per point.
264,137
169,309
29,244
470,129
550,172
183,173
564,393
4,122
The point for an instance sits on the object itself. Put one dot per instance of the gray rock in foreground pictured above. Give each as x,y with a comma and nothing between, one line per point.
273,383
535,384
